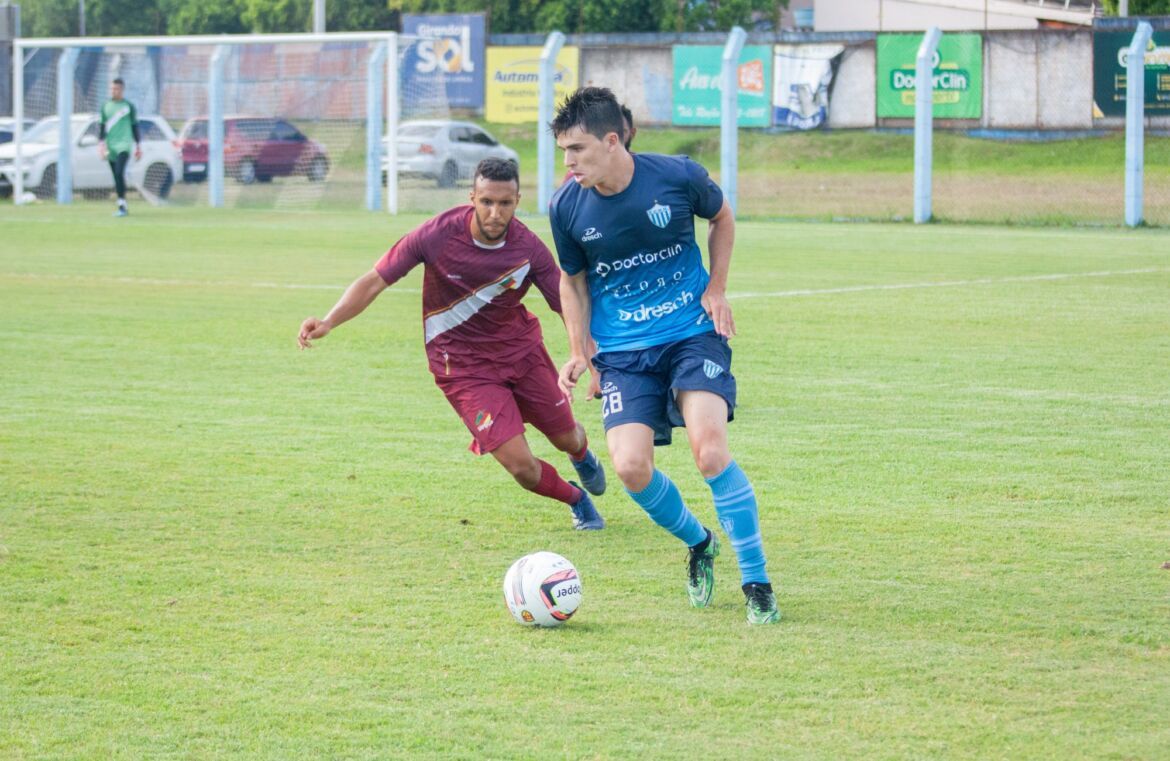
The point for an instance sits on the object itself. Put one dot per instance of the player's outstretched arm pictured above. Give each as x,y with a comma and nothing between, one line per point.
575,311
360,294
720,241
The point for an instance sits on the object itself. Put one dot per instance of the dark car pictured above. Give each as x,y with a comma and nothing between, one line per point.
255,148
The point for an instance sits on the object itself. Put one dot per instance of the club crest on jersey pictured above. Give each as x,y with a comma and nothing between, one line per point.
659,214
711,370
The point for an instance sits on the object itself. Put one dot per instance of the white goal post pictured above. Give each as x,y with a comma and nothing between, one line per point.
360,80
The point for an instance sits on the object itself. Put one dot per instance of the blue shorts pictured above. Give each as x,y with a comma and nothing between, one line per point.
640,386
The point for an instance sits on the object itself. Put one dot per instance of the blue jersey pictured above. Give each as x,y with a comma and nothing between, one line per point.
637,247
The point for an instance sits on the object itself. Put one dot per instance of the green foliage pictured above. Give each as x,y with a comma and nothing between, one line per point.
205,17
45,18
48,18
1139,7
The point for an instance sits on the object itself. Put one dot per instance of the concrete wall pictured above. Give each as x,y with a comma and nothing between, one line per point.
641,76
853,99
1065,76
1033,80
897,16
1038,80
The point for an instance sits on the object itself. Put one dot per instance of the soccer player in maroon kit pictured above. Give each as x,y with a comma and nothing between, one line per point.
484,348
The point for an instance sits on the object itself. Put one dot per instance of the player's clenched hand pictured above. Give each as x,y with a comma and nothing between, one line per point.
719,310
310,329
570,372
594,384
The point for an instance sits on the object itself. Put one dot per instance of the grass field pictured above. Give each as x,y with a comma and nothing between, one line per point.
215,546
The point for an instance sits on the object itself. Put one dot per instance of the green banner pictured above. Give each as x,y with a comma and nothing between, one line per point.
958,76
1110,50
697,88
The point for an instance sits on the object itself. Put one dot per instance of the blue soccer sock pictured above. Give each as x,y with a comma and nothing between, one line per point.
664,504
735,504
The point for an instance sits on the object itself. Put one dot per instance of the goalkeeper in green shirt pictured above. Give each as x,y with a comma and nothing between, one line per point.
119,135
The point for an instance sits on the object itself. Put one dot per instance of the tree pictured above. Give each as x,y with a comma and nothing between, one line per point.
124,17
205,17
1140,7
48,18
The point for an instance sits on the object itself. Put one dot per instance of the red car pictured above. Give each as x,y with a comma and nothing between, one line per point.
255,148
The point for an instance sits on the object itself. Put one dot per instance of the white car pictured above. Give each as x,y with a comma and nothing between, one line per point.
8,128
444,151
153,174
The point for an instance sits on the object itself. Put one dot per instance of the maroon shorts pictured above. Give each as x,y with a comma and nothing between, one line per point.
497,402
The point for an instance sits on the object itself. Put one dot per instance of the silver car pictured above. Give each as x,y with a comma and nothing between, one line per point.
444,151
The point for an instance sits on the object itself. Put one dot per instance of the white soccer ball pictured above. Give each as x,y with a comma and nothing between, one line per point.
542,589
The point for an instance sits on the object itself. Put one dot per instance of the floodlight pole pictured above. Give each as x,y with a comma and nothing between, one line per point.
924,124
1135,106
65,66
729,116
215,127
544,115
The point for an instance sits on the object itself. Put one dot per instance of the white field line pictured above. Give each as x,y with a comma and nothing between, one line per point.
733,295
184,283
940,283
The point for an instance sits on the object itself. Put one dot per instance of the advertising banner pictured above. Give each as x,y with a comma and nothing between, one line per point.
803,76
697,87
1110,51
513,81
451,61
958,76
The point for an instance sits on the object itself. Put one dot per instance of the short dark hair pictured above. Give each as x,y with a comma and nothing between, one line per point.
593,109
118,81
497,170
628,116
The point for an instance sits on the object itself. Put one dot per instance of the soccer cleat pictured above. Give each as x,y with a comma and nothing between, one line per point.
761,603
701,572
585,515
121,213
592,473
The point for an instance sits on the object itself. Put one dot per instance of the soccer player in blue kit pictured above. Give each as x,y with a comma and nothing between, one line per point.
633,276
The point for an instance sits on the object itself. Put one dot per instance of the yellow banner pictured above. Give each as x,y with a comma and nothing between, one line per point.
513,81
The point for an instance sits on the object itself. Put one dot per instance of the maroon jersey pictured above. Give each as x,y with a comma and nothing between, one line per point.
473,316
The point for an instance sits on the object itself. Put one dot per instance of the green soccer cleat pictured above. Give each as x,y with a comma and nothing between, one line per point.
701,572
761,603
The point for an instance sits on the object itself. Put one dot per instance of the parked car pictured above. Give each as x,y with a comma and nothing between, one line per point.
8,129
444,151
154,173
255,148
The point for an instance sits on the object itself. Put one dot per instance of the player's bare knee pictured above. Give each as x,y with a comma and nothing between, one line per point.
525,471
711,457
634,471
569,441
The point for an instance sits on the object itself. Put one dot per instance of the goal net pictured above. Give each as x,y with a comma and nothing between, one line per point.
304,120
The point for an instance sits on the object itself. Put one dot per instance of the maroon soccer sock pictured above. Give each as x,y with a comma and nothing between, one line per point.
554,487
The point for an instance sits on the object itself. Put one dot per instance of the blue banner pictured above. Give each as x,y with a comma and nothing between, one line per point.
449,58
